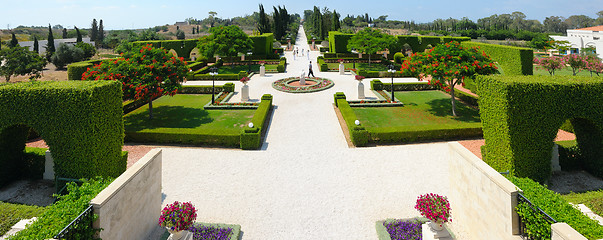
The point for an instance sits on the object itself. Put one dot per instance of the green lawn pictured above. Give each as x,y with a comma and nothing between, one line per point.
235,69
184,114
10,214
593,200
365,66
422,108
567,71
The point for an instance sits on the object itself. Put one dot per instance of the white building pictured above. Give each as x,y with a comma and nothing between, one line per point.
57,42
579,39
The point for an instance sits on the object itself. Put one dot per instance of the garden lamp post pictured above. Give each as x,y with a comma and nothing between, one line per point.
391,70
213,72
249,54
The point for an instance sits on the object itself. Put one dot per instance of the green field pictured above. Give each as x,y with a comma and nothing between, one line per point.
184,113
422,108
593,200
235,69
10,214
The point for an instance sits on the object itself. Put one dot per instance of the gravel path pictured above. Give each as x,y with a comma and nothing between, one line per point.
305,182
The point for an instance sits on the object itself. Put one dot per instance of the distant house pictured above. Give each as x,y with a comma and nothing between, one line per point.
583,38
57,42
181,23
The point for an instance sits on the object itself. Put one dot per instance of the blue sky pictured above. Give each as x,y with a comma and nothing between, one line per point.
126,14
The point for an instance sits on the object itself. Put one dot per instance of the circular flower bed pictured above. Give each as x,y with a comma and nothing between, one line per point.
313,84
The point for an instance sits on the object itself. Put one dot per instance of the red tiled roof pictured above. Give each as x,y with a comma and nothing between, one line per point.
595,28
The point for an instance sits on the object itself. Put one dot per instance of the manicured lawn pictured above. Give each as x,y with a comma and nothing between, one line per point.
593,200
235,69
10,214
422,108
567,71
365,66
184,114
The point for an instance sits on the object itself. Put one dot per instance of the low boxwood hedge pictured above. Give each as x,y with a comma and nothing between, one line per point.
58,215
282,65
423,133
323,67
251,138
557,207
358,134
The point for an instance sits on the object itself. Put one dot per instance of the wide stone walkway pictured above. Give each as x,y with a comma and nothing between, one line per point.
305,182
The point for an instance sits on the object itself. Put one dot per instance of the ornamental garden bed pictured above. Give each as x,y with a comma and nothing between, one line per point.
292,85
182,119
403,229
221,102
426,115
214,231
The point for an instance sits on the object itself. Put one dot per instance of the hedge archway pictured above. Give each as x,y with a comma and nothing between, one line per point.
81,122
522,114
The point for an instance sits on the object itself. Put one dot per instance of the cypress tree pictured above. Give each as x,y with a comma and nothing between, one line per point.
36,47
197,29
264,23
277,24
93,30
50,49
193,30
100,37
79,35
64,33
13,41
336,25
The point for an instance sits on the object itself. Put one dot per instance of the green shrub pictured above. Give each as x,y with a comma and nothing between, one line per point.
521,116
338,95
262,44
208,138
358,134
467,98
423,133
81,121
567,126
10,214
323,67
570,157
412,86
413,41
75,70
428,40
398,58
281,65
182,48
251,137
34,162
338,42
376,85
557,207
512,60
66,54
197,65
58,215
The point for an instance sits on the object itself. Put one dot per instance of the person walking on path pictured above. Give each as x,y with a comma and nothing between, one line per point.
310,70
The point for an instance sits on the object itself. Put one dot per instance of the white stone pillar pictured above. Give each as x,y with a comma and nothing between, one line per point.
262,71
341,69
245,93
360,90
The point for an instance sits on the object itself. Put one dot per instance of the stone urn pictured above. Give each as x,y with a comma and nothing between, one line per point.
360,90
245,93
262,71
175,235
341,69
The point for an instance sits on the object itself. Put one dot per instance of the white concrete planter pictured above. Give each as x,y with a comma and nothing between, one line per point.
341,69
360,90
245,93
262,71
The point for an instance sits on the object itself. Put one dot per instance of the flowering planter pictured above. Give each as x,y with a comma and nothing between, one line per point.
285,85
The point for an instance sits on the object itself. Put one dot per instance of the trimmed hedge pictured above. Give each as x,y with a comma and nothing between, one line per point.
188,89
81,121
282,65
423,133
570,157
182,47
413,41
358,134
557,207
262,44
512,60
58,215
521,116
411,86
322,66
75,70
398,58
338,42
428,40
197,65
251,138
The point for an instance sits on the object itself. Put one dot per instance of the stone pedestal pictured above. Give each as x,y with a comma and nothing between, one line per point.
360,90
262,71
302,80
313,45
245,93
48,167
341,69
430,234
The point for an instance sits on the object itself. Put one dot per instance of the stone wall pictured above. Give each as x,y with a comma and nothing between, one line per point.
562,231
481,199
130,206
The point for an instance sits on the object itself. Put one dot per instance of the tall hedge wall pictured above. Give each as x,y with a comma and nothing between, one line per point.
262,44
81,121
427,40
512,60
522,114
75,70
182,47
338,42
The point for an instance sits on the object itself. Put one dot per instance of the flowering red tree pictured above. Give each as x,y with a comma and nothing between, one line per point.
145,73
448,65
576,62
550,63
594,65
